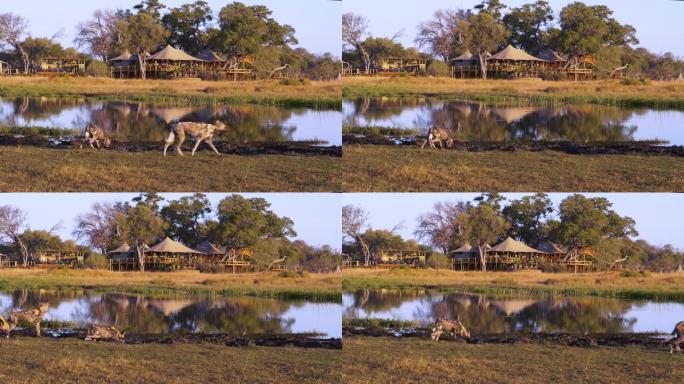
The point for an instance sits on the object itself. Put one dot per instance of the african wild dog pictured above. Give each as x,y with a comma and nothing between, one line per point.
33,316
439,135
200,131
678,336
6,326
95,134
104,332
454,327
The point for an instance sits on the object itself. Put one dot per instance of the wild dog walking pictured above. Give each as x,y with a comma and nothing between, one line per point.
200,131
96,135
104,332
33,316
439,135
678,336
454,327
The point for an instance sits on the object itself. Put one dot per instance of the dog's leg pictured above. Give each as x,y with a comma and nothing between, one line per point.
197,144
37,328
91,144
210,141
97,142
181,140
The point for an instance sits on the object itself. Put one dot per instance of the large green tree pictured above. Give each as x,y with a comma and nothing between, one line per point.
187,218
494,8
528,218
485,34
141,33
482,225
529,25
140,225
187,25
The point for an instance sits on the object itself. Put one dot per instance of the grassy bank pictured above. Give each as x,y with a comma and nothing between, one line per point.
654,286
370,168
69,361
656,94
27,169
385,360
312,286
316,94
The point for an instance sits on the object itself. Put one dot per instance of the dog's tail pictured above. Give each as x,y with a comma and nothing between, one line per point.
171,138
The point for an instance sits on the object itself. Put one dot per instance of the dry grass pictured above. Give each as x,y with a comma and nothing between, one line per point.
28,169
30,360
270,92
384,360
370,168
656,93
313,285
657,285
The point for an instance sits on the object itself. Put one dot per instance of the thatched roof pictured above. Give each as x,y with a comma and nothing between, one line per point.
551,248
125,248
172,54
465,56
512,114
210,249
170,115
510,307
512,246
465,248
552,56
169,246
514,54
169,307
211,56
125,56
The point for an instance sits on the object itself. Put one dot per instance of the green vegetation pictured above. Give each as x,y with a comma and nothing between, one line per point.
659,287
26,169
73,360
314,286
409,169
378,323
379,359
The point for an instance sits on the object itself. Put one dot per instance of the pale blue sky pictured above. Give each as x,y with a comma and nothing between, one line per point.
316,215
317,21
659,217
658,22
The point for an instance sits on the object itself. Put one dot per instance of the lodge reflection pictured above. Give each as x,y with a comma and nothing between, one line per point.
485,314
138,314
481,122
138,121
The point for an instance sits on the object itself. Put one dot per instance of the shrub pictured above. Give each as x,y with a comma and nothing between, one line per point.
294,82
631,274
291,274
97,69
552,268
438,261
210,268
439,69
96,261
551,75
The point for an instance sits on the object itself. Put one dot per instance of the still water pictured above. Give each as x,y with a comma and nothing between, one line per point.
482,122
484,314
140,314
148,122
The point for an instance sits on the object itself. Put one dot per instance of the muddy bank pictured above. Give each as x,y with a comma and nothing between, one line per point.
599,148
298,148
279,340
645,340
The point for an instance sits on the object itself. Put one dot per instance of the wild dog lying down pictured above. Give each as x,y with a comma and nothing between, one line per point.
439,135
95,134
454,327
678,336
200,131
33,316
105,332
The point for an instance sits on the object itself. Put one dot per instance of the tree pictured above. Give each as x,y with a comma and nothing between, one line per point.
150,7
39,240
354,220
187,218
187,25
13,31
244,30
485,34
379,48
584,30
12,221
99,227
99,34
140,34
528,25
493,8
585,222
444,35
243,222
354,31
527,218
149,199
381,239
443,227
491,199
482,225
38,48
140,225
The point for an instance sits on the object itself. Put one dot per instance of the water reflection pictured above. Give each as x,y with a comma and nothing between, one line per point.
139,314
482,122
483,314
146,122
